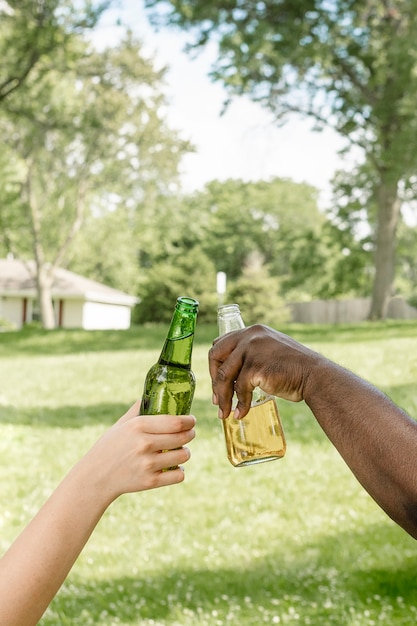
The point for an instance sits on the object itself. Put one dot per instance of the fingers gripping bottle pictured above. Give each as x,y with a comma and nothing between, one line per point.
257,437
170,383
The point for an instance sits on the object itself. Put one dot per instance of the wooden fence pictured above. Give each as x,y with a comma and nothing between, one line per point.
345,311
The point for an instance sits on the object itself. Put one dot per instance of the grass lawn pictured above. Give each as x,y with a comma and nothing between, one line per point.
296,541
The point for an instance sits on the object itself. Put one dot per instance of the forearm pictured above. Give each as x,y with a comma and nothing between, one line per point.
35,566
377,440
126,459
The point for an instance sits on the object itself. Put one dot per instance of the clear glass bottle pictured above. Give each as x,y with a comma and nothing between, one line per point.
258,437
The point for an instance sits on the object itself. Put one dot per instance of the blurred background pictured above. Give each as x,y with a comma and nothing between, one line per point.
148,148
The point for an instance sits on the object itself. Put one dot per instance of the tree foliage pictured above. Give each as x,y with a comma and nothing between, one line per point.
34,31
249,230
89,166
246,217
348,63
84,137
258,295
188,273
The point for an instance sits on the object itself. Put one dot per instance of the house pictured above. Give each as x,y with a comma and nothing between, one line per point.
78,302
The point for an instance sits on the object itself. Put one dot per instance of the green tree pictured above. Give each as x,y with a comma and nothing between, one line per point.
235,223
33,31
188,273
88,138
258,295
350,230
347,63
406,259
253,231
106,250
263,217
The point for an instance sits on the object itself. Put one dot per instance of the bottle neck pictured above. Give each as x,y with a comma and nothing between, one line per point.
229,318
178,344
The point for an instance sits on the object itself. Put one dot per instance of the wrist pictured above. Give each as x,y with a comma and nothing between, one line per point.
319,375
90,486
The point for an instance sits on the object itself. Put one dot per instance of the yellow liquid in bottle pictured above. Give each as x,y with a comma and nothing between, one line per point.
257,437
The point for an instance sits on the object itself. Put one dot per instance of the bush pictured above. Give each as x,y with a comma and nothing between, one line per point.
412,300
191,275
257,294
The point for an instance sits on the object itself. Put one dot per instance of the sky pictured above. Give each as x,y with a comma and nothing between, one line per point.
245,142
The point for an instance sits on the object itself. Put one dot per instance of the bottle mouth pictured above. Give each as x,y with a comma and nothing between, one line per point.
188,302
228,309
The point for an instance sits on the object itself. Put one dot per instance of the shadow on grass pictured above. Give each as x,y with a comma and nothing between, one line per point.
35,341
74,416
64,416
300,427
298,421
311,587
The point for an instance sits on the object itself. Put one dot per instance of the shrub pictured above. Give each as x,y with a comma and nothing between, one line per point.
190,275
257,294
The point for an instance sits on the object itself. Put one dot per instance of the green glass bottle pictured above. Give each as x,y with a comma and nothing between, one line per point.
170,383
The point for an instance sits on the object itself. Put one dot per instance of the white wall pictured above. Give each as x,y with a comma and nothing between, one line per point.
97,315
75,314
72,314
11,309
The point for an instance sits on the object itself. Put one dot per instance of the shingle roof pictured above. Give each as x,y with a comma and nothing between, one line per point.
18,278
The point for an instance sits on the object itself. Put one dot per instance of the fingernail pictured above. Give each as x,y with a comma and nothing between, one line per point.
214,399
236,414
220,414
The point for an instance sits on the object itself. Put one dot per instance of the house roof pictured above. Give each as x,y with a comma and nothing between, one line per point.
17,278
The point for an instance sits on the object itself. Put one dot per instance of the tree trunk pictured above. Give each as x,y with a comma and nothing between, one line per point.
389,206
44,283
